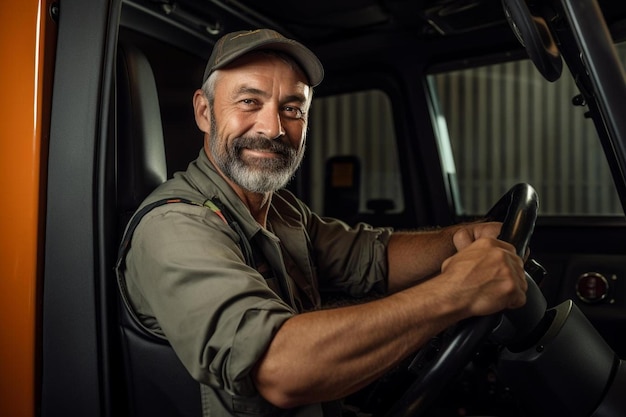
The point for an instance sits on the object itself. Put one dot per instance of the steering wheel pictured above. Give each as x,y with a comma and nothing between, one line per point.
517,210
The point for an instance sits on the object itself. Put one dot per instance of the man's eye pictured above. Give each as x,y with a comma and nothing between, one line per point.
293,112
249,104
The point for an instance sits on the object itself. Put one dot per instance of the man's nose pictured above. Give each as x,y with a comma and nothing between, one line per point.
268,122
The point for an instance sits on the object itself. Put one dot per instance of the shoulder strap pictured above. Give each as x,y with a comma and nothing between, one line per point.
214,205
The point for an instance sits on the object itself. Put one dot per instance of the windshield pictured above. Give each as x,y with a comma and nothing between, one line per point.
501,124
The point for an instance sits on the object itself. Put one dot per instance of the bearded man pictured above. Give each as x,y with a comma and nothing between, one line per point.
234,281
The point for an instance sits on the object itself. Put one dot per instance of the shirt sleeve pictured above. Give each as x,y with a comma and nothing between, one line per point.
352,260
186,277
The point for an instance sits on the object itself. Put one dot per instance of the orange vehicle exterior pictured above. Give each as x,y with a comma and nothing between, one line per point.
28,38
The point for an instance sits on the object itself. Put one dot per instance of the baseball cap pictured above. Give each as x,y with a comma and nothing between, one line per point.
236,44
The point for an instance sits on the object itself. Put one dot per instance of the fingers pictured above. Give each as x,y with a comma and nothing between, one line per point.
471,232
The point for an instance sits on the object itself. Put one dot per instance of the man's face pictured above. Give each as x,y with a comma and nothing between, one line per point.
258,122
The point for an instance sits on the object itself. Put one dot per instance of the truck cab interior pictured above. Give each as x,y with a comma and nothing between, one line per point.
429,113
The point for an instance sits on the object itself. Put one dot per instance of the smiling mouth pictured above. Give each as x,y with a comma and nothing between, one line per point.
262,153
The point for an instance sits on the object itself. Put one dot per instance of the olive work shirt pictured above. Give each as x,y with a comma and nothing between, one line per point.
187,279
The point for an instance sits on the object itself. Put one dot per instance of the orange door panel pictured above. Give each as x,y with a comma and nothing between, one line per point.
27,36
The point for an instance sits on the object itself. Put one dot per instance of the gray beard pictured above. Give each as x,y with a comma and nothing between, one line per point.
265,174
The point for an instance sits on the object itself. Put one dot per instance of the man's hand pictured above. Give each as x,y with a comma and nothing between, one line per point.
487,275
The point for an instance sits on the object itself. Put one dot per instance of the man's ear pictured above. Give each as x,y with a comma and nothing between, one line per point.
201,111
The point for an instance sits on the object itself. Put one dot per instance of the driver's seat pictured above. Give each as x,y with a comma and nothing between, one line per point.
157,383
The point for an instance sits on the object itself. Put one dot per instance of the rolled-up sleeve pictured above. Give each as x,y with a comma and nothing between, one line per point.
352,259
186,276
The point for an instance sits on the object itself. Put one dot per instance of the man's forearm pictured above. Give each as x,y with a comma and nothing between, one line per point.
413,256
328,354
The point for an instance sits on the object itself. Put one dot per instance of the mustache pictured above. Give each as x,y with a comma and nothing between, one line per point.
262,144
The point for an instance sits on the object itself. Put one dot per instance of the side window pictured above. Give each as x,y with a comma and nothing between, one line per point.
354,158
505,124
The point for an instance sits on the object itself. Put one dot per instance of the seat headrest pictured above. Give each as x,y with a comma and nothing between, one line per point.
141,163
